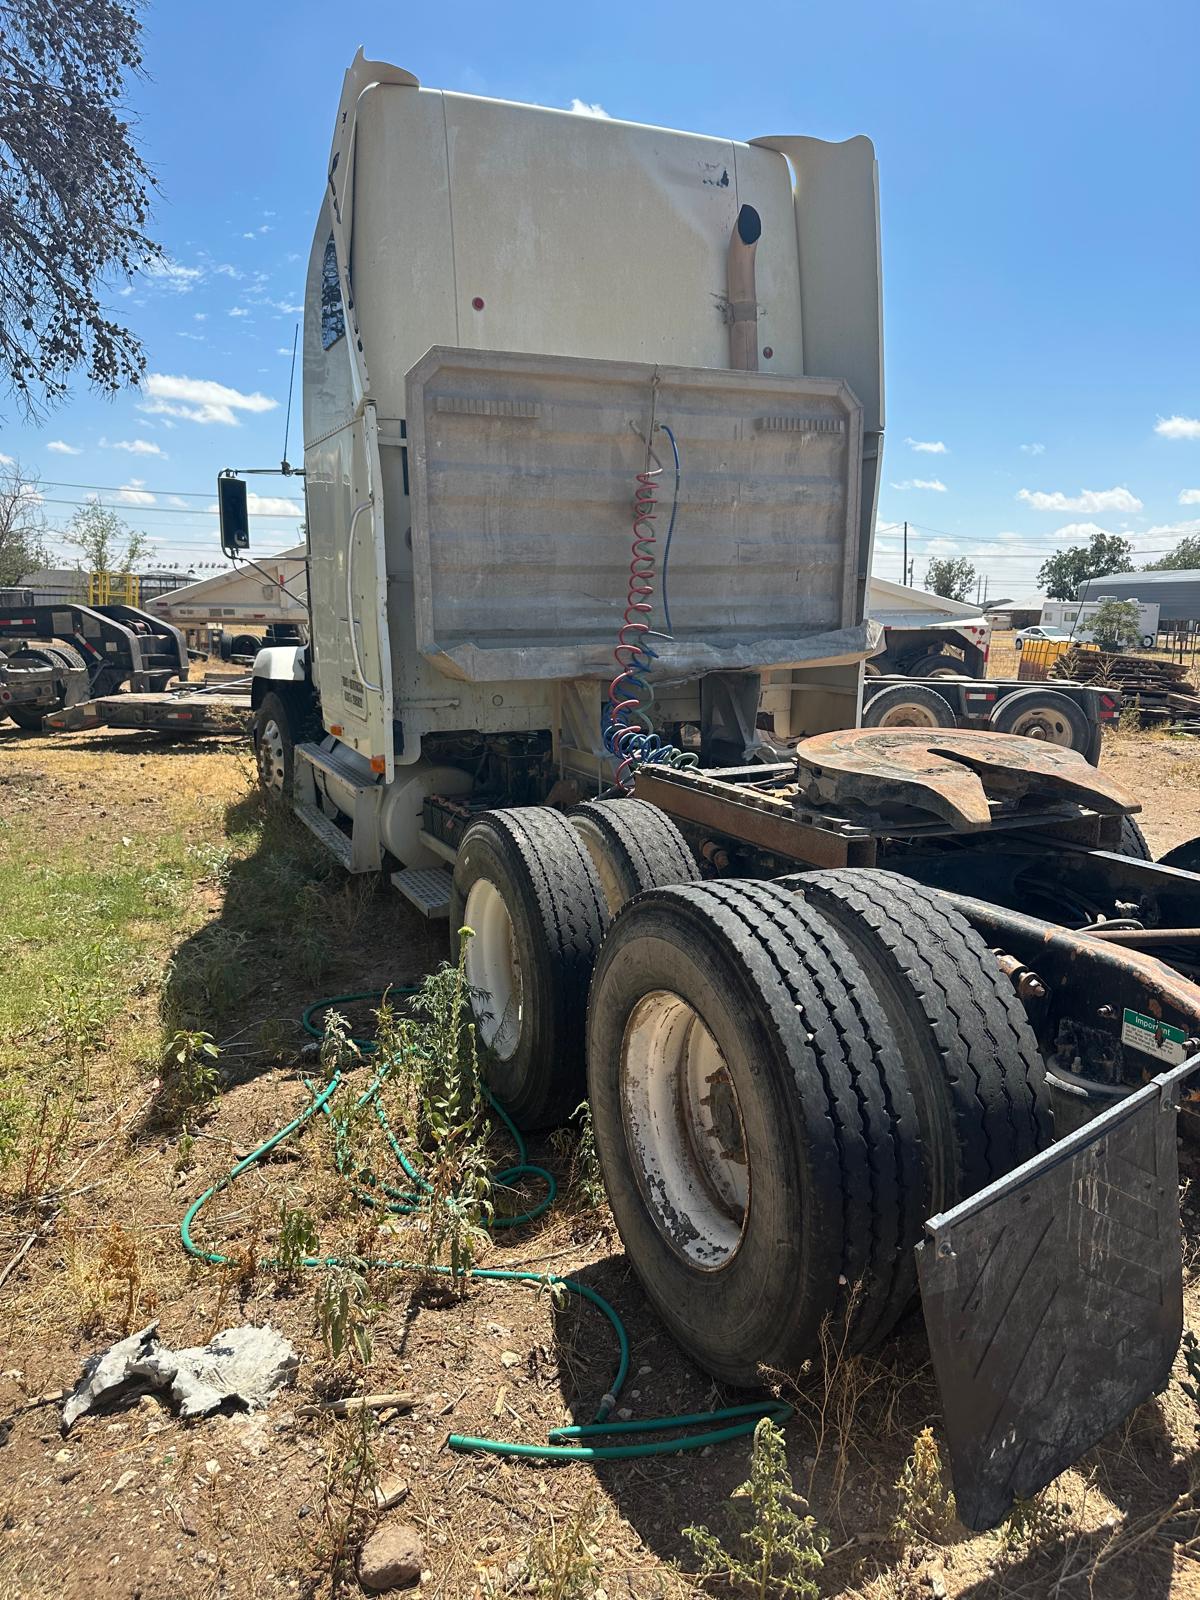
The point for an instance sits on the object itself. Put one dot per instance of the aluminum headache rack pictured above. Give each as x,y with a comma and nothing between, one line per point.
1053,1299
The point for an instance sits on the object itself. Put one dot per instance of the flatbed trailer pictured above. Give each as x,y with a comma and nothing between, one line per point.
55,657
222,708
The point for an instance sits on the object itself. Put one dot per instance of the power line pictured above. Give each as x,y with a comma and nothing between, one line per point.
119,488
157,510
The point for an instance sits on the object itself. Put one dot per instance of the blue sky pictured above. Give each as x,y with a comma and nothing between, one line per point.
1038,168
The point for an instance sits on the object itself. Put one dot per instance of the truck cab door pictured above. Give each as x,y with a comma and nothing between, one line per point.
348,578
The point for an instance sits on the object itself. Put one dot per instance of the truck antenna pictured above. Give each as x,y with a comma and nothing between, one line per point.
287,426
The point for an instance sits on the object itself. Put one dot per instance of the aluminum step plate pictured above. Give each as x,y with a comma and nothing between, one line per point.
330,835
427,887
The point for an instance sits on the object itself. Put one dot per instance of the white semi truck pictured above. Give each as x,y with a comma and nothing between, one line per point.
592,418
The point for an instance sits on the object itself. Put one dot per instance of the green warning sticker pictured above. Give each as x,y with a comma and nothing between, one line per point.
1154,1037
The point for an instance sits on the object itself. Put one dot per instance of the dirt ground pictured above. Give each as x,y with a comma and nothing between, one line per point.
177,905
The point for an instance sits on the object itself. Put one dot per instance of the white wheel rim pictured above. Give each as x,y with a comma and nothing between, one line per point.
909,715
492,969
1045,725
684,1130
271,766
606,871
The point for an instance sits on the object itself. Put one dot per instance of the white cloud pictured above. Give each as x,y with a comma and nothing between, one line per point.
1173,530
238,311
1033,449
1118,499
928,447
247,236
227,271
200,399
286,307
265,228
269,505
134,447
134,493
62,448
586,108
127,290
284,350
1189,497
935,484
1178,427
178,502
200,316
171,275
7,461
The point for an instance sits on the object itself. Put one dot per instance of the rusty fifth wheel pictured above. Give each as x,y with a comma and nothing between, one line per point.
754,1123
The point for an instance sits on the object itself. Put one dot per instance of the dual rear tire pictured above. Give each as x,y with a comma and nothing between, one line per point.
785,1081
538,891
783,1086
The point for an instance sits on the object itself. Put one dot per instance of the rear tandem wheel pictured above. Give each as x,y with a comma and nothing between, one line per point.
783,1086
755,1127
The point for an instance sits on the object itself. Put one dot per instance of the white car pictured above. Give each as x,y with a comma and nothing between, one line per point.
1038,632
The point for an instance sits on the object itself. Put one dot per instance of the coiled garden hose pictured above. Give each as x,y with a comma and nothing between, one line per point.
734,1422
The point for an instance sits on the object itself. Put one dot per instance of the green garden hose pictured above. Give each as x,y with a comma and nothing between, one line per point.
736,1421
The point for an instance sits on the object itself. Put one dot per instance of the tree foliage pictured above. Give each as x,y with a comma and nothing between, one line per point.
1185,557
21,525
74,194
1116,624
105,543
953,577
1063,576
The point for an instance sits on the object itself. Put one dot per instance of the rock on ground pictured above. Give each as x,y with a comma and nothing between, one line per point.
391,1558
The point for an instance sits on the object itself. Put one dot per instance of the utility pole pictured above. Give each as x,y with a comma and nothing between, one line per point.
904,563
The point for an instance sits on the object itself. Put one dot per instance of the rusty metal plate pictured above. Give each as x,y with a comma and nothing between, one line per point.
951,772
1053,1300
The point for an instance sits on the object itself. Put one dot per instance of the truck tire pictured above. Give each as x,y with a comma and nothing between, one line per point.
525,885
1043,714
974,1066
755,1127
633,846
275,748
1149,641
908,705
1185,856
937,665
1133,841
30,717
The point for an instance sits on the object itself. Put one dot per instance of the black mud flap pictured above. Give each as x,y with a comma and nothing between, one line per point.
1053,1300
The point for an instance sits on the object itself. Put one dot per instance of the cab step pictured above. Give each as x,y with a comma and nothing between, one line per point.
427,887
327,831
338,775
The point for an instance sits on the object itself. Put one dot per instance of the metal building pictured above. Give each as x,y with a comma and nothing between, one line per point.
1177,593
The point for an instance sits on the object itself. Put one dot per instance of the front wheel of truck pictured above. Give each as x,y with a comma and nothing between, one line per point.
274,748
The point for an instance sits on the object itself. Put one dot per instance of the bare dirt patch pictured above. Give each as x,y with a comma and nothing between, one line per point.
227,921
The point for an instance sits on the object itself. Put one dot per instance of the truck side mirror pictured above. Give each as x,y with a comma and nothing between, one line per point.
235,518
